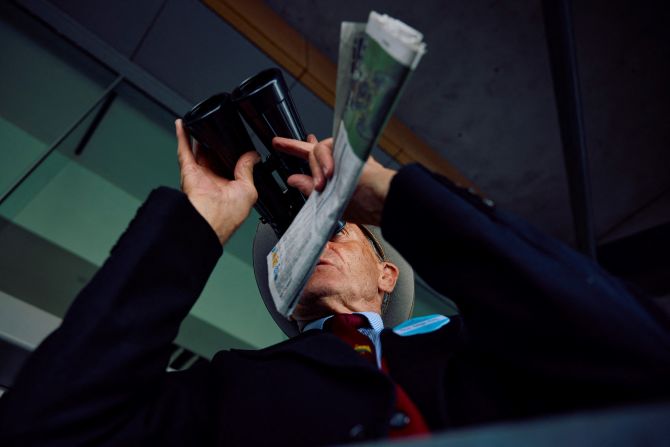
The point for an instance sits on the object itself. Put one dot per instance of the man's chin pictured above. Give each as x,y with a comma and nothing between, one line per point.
311,307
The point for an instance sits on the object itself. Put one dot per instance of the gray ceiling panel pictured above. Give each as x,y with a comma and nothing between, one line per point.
647,216
121,23
195,52
625,63
48,84
483,98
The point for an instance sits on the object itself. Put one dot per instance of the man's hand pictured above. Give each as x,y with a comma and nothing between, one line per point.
367,202
223,203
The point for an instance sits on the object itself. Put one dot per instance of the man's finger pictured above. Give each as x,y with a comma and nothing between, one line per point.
324,156
184,152
317,173
303,183
296,148
311,138
244,168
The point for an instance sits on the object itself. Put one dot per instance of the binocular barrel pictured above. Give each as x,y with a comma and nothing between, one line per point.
264,102
266,105
218,128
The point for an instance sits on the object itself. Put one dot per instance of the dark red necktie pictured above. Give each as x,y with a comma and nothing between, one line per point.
407,419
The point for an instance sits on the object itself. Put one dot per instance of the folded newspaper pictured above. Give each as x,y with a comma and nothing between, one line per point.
375,61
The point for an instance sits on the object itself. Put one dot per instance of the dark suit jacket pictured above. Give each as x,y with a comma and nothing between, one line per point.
542,330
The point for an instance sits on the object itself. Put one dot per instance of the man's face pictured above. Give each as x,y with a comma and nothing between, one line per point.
349,277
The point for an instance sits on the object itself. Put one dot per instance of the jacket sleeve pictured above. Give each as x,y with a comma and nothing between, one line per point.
100,377
526,298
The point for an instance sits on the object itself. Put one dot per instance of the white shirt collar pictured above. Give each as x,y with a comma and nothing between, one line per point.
373,318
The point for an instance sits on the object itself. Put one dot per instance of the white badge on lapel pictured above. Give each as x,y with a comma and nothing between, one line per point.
421,325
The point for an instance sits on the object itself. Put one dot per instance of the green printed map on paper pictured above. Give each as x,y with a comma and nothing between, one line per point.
376,81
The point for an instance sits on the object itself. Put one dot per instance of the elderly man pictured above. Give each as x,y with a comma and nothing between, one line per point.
543,329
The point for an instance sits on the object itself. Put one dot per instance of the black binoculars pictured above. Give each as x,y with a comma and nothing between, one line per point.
266,105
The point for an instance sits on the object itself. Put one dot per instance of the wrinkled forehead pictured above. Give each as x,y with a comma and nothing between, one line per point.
370,239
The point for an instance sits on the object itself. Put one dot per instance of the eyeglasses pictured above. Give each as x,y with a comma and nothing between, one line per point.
339,226
376,245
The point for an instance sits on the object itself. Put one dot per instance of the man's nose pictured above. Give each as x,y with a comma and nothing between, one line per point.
326,247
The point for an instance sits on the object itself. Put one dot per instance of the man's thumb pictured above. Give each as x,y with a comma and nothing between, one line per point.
304,183
244,168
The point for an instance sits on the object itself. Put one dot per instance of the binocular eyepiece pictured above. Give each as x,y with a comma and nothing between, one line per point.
266,106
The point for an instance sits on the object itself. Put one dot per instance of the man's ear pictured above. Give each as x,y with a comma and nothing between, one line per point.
388,277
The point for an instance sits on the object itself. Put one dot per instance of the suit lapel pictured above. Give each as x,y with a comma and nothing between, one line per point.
418,363
400,351
405,350
316,346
